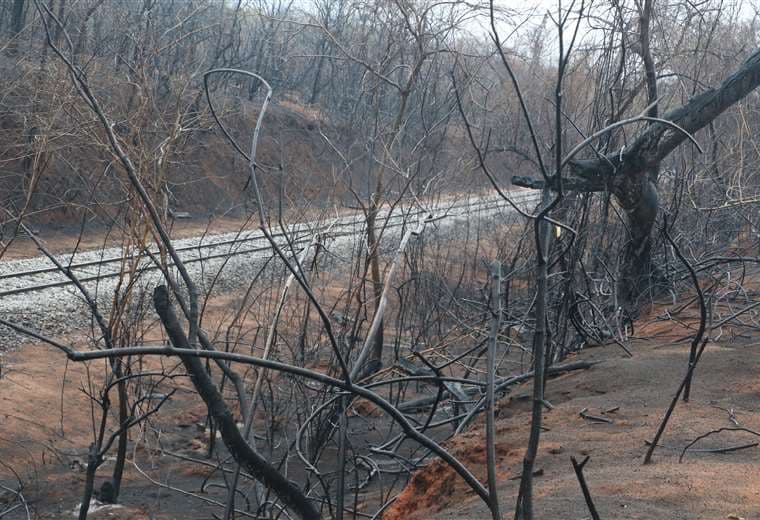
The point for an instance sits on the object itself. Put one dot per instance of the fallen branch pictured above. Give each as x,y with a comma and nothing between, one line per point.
501,385
594,418
721,450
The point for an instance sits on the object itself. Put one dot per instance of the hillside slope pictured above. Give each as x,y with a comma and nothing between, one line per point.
633,394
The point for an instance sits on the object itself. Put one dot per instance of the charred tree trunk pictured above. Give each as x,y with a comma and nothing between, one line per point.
243,454
628,173
639,276
121,451
376,357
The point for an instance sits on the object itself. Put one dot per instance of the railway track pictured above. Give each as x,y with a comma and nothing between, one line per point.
16,278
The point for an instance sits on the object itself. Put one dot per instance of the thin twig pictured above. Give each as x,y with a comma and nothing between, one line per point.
721,450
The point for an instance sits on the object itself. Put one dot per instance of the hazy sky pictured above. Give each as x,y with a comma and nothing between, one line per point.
530,13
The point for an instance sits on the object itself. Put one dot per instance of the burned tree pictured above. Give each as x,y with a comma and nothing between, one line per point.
627,172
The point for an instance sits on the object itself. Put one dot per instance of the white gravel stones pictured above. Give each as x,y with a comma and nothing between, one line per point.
58,310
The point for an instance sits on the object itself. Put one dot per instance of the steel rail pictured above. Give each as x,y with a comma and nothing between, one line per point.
404,217
240,240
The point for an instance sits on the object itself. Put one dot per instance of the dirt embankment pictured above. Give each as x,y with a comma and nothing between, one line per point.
633,395
60,176
45,428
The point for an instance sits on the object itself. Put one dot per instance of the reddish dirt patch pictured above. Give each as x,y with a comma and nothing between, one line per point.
437,486
46,428
429,490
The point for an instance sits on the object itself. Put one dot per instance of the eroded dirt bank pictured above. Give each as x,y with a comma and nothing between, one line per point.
634,393
44,432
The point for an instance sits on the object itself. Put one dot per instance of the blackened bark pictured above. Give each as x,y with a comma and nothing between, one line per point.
659,140
639,276
626,173
94,460
375,362
243,454
121,451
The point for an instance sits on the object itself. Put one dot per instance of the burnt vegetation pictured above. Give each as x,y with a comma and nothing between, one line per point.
428,205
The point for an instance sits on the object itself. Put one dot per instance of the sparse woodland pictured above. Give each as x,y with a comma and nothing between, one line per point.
342,259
